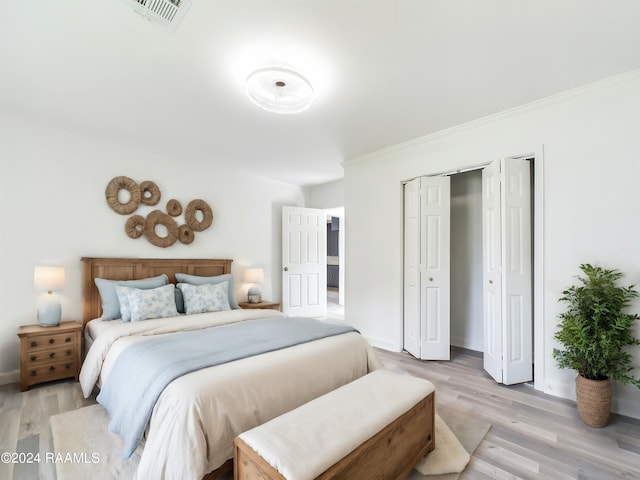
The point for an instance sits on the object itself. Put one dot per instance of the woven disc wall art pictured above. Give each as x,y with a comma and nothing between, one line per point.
160,218
174,208
185,234
190,217
149,193
113,189
198,215
134,227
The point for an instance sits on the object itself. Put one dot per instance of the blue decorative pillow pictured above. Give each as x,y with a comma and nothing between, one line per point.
107,289
198,280
208,297
150,303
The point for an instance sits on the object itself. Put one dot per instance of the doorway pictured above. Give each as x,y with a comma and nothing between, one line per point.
468,266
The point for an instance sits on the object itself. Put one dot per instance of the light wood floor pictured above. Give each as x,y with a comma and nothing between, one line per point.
533,436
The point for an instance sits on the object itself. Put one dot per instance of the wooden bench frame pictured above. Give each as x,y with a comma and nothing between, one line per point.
390,454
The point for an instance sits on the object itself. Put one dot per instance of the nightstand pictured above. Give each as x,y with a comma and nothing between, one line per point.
267,305
49,353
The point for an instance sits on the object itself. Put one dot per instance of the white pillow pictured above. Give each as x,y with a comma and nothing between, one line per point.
208,297
145,304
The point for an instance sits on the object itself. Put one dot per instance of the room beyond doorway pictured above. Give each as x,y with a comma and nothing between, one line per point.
334,309
335,262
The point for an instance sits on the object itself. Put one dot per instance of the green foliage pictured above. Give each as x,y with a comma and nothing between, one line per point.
594,330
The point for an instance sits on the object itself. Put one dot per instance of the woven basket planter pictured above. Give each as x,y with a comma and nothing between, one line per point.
594,400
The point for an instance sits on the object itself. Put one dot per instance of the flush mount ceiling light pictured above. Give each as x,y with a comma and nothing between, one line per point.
279,90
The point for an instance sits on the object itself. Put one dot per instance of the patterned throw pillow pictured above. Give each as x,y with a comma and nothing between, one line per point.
208,297
153,303
199,280
109,297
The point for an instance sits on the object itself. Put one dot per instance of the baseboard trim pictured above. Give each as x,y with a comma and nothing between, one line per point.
10,377
383,344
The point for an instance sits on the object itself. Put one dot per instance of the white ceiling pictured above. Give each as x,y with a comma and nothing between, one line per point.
384,71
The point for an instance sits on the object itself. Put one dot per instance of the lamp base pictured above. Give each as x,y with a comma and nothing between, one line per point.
254,295
49,312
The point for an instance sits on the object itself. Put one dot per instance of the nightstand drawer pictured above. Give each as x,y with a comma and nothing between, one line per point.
47,341
51,355
51,371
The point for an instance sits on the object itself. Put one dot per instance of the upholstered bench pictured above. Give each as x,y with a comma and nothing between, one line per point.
377,427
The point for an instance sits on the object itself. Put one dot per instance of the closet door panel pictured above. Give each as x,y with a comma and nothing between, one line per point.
517,293
412,267
435,285
492,271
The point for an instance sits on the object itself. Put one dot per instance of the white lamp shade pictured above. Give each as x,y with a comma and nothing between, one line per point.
254,275
48,278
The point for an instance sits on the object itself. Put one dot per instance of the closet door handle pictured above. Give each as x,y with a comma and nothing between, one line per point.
491,282
431,279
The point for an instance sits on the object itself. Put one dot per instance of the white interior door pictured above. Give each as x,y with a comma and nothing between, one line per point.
412,267
435,287
508,352
304,261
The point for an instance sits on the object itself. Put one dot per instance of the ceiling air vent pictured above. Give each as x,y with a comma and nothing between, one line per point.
165,12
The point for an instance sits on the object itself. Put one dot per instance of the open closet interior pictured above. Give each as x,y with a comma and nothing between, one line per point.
466,260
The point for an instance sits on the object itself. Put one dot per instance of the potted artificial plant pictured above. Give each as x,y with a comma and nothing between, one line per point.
594,332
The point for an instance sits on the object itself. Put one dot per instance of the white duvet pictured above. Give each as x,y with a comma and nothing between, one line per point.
198,415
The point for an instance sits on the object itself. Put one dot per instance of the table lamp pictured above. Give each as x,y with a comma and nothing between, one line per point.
254,275
49,279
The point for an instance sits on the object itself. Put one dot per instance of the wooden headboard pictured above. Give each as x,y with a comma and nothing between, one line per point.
136,268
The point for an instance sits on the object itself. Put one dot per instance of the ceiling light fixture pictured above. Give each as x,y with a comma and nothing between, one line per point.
279,90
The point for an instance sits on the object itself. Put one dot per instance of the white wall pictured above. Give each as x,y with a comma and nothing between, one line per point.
326,195
591,207
52,185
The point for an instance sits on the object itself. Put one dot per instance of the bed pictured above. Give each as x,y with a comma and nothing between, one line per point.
191,429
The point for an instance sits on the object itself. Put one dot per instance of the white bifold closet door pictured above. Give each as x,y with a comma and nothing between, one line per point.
507,294
507,255
427,268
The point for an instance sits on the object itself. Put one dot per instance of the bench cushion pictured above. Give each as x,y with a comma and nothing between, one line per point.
307,441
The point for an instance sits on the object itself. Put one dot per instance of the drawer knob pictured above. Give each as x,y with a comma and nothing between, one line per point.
52,354
68,352
51,340
67,340
33,358
68,366
34,344
52,368
33,373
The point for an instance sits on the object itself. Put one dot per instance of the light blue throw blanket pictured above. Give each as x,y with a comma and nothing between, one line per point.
143,370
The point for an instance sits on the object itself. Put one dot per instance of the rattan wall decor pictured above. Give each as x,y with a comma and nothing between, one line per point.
198,215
